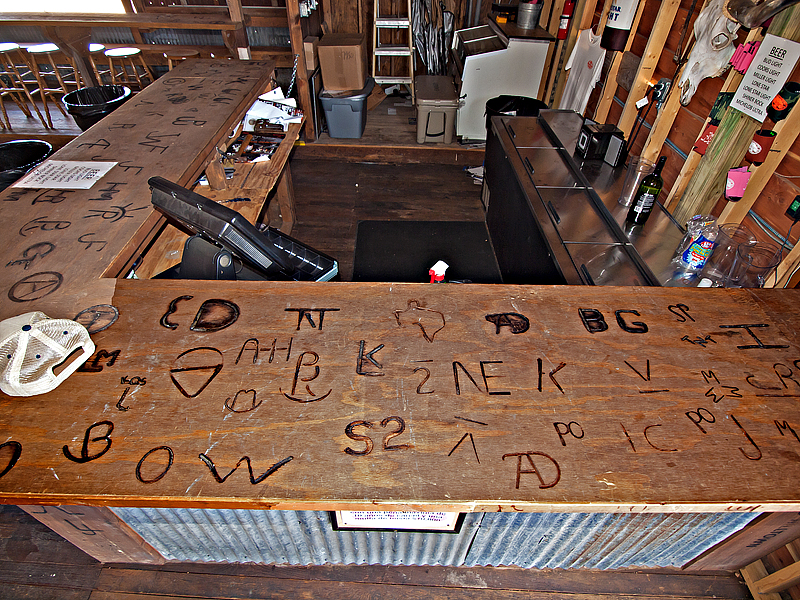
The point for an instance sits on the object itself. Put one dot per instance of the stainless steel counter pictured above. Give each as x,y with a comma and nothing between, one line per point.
658,238
553,217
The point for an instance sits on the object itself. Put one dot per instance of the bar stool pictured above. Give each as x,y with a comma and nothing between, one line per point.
176,56
14,67
55,73
125,69
101,72
59,65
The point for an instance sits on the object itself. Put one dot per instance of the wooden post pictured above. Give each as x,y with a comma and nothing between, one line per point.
732,81
301,80
552,50
731,141
787,132
74,42
215,172
652,52
785,274
240,33
281,211
98,531
752,573
604,18
666,116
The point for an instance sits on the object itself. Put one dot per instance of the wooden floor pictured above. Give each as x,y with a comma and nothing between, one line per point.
37,564
333,196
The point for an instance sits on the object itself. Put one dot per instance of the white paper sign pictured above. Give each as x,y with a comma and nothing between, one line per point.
375,519
65,175
771,67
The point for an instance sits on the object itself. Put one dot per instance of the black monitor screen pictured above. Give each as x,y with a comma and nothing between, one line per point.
271,252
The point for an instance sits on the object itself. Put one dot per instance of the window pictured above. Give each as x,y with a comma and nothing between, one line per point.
59,6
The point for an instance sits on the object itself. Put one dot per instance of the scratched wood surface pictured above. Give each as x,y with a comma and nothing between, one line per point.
58,244
411,396
246,193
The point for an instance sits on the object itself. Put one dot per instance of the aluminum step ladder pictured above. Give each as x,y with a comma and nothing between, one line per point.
393,50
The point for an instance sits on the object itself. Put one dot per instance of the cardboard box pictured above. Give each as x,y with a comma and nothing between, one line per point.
343,61
310,52
376,97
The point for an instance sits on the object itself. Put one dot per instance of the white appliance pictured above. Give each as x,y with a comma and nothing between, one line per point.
494,60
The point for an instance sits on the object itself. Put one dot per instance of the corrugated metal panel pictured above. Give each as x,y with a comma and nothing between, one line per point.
256,36
22,35
184,37
289,537
268,36
531,540
599,541
112,35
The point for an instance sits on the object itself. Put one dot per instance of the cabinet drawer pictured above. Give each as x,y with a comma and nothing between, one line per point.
574,216
547,168
526,132
605,264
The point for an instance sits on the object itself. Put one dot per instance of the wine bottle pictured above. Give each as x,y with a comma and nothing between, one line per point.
646,195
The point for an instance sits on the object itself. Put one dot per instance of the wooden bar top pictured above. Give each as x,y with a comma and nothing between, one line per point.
62,247
422,397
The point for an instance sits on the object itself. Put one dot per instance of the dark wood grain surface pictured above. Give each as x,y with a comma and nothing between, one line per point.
423,396
60,243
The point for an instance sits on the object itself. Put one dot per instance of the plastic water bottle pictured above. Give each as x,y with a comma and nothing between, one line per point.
693,252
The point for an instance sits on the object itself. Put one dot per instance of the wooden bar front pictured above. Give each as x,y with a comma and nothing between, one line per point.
60,244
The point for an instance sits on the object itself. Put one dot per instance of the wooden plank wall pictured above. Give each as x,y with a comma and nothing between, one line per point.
783,186
690,119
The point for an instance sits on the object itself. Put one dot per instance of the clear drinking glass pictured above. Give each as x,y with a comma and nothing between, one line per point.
638,169
753,265
720,264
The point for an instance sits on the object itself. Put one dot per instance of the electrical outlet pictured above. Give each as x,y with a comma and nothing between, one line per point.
793,212
660,91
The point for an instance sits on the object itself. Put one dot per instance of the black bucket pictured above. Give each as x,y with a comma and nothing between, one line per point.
88,105
518,106
19,157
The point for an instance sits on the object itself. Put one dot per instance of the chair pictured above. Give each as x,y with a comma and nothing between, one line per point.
55,74
124,67
176,56
13,67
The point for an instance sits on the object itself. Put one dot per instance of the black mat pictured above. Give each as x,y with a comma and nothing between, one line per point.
404,251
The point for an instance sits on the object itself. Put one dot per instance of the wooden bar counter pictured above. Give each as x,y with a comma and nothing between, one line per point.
271,395
422,397
64,246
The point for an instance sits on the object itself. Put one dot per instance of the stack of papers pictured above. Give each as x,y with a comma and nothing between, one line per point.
275,108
